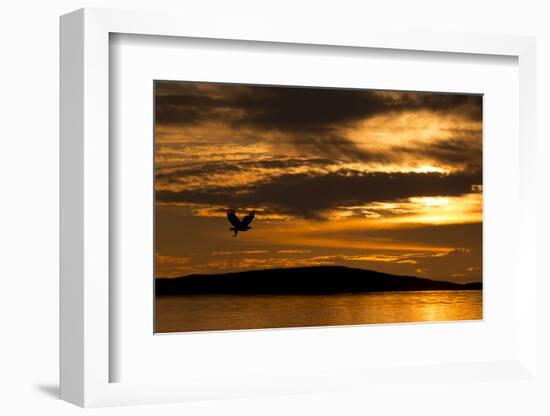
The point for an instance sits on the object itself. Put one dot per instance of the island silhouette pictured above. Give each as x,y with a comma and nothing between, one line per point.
302,281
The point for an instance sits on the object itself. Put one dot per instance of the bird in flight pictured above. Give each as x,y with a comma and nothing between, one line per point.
237,224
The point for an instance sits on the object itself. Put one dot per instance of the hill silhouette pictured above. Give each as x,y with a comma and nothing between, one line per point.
301,280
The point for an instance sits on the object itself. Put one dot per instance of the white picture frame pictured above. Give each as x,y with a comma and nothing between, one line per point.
85,211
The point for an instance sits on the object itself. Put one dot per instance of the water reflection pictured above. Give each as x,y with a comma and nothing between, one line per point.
224,312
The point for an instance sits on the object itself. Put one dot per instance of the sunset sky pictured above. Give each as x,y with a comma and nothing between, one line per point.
382,180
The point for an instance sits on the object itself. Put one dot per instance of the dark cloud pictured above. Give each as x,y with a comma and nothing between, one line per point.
465,152
467,105
184,108
337,148
295,109
311,110
315,109
308,195
311,119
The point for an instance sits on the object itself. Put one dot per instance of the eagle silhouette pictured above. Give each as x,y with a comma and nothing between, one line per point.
237,224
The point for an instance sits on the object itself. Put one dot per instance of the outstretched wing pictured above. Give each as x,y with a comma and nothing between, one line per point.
248,219
233,219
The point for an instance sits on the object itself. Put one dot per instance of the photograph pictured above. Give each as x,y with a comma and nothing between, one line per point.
290,206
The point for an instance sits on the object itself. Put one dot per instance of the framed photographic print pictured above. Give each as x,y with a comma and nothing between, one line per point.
282,206
272,212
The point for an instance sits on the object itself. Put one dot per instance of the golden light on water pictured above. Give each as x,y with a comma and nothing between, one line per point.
214,313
